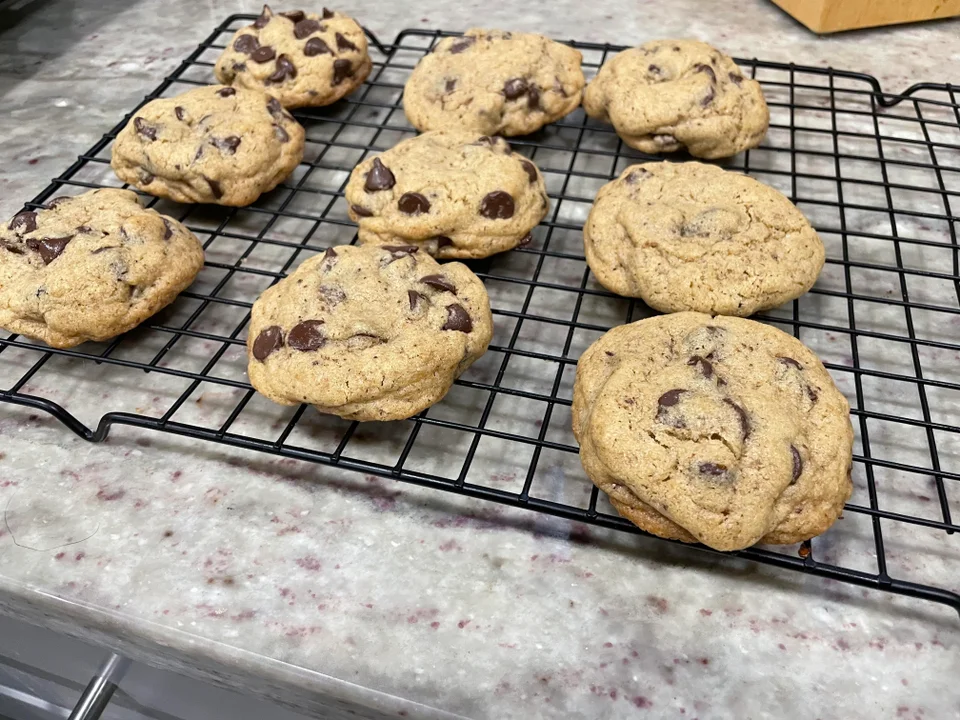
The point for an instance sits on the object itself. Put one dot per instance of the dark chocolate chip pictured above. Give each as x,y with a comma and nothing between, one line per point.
736,79
655,69
295,16
439,282
443,241
399,251
267,342
361,211
327,14
797,464
167,229
281,134
790,361
670,397
263,54
343,44
700,67
379,178
9,247
533,98
702,364
526,240
246,44
514,88
103,249
275,108
812,394
413,204
214,187
144,128
708,98
530,169
450,85
342,69
331,294
181,113
497,205
285,68
146,177
226,145
458,319
415,299
634,177
264,18
486,140
24,222
744,418
316,46
85,229
57,202
307,336
305,28
226,92
329,260
48,247
198,154
462,44
238,68
712,469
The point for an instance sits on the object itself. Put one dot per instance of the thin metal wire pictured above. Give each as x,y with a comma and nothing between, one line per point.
576,155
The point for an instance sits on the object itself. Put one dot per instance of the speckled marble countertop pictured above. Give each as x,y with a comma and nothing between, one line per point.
332,590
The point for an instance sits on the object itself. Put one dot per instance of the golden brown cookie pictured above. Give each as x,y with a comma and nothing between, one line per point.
689,236
453,193
368,332
671,94
91,267
713,429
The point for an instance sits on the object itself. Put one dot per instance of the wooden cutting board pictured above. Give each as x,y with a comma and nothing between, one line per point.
827,16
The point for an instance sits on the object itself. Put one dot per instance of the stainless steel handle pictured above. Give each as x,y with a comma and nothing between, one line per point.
96,696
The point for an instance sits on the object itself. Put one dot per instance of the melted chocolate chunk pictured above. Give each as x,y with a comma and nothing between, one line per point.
439,282
379,178
316,46
790,362
514,88
415,299
167,229
226,92
702,364
342,69
530,169
307,336
533,98
708,98
305,28
227,145
700,67
497,205
246,44
398,252
736,79
263,54
797,464
744,418
295,16
462,44
712,469
214,187
361,211
267,342
413,204
343,44
332,294
284,69
181,113
458,319
670,398
48,247
281,134
25,222
144,128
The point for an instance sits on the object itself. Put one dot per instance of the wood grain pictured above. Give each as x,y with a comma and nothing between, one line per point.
827,16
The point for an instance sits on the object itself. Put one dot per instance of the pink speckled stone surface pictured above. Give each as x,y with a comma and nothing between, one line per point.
333,590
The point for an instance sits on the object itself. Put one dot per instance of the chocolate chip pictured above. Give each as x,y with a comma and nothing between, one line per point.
415,299
295,16
327,14
439,282
307,336
526,240
708,98
790,361
379,178
712,469
267,342
634,177
263,54
24,222
198,154
144,128
48,247
486,140
146,177
702,364
226,145
214,187
15,249
246,44
343,44
285,68
85,229
443,241
458,319
533,98
462,44
670,397
264,18
530,169
181,113
361,211
497,205
329,260
305,28
797,464
342,69
515,88
331,294
281,134
102,249
736,79
167,229
226,92
400,251
812,394
316,46
664,139
450,86
413,204
238,68
744,418
700,67
58,201
655,69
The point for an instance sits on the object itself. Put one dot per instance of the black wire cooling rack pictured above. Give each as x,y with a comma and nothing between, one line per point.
877,174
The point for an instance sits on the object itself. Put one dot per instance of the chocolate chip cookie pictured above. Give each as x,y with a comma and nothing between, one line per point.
717,430
91,267
302,59
214,144
689,236
453,193
495,83
671,94
368,332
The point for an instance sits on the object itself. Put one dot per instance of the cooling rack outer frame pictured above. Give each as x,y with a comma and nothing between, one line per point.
803,563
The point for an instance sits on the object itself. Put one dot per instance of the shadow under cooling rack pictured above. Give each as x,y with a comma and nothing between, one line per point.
877,174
